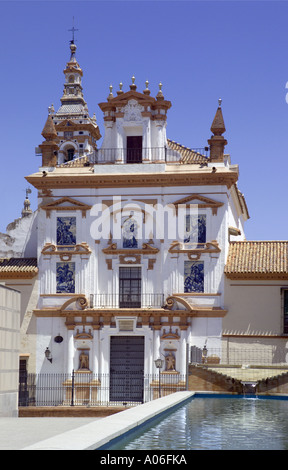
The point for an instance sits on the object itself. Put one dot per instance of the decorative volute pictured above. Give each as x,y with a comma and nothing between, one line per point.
217,142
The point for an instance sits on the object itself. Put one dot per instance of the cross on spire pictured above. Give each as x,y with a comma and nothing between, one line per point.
73,31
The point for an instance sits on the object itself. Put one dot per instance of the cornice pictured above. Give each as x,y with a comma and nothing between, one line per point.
91,180
257,276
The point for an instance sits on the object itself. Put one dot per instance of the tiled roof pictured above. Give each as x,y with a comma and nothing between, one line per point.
18,267
257,260
187,155
71,108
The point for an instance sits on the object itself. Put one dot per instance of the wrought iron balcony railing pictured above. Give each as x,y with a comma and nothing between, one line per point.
142,155
130,300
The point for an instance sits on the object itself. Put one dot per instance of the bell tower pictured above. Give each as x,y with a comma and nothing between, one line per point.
74,131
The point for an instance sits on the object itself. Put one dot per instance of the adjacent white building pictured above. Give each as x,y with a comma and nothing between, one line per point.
9,350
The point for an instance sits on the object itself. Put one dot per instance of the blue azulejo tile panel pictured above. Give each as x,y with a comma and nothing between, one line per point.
193,276
129,232
195,229
66,230
65,277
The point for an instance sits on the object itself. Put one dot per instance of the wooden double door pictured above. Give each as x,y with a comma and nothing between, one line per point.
126,368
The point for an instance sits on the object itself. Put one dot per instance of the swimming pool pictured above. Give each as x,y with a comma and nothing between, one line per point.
215,423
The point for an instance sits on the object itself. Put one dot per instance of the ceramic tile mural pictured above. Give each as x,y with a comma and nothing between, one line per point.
66,230
193,276
195,229
65,277
129,232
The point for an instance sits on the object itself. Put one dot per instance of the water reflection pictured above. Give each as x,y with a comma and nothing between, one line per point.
218,423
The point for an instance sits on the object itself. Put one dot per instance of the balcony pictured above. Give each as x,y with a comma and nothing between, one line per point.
130,300
173,153
146,155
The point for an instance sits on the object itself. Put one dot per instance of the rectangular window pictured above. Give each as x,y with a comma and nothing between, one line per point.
65,277
285,326
195,229
193,276
130,287
66,230
134,149
68,134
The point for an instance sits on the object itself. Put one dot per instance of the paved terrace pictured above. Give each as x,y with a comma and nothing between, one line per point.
80,433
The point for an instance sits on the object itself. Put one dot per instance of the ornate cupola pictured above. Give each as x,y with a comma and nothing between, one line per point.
77,132
135,126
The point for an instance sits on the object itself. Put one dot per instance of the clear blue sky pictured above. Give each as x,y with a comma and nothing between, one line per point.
199,50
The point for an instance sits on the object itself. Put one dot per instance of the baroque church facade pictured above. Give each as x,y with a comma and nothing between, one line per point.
132,237
137,243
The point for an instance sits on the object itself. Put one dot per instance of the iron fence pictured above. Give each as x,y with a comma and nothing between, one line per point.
87,389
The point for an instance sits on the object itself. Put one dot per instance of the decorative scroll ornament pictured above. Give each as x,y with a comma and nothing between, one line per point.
80,303
66,251
194,250
132,111
146,249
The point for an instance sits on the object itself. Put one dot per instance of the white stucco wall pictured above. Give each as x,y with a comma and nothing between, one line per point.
93,275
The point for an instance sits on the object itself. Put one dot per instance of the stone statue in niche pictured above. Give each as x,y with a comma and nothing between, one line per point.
83,361
170,361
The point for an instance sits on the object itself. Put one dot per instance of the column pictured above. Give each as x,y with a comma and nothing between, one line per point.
70,351
183,354
156,347
95,353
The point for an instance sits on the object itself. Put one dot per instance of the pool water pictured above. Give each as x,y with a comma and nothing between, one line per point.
216,424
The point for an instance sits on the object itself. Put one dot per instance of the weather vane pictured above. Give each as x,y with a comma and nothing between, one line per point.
73,31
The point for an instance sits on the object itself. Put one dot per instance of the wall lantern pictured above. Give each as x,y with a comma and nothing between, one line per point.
48,355
159,363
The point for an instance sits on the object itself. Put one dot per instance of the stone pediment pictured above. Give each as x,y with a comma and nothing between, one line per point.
122,99
66,204
201,201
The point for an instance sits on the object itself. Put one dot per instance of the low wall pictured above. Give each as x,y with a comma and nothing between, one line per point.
201,379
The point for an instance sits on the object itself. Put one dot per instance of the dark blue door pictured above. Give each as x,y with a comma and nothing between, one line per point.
126,368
